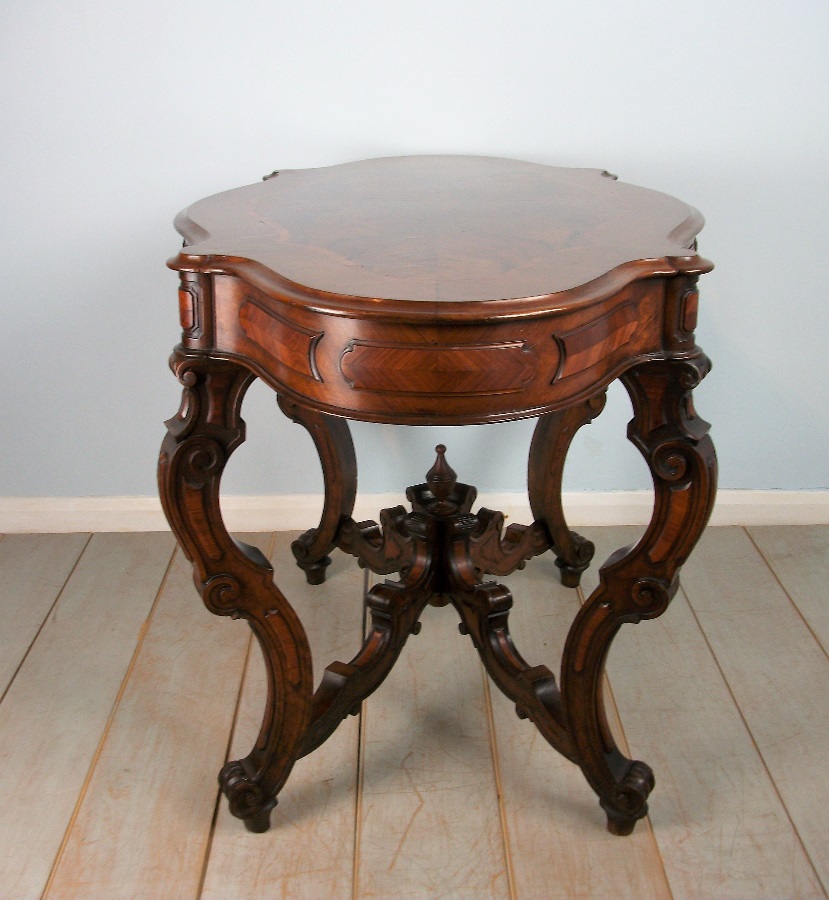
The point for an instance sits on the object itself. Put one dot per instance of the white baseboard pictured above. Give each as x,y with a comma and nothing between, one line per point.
288,512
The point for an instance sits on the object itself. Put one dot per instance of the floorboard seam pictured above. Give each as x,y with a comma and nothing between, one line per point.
359,774
499,790
626,747
788,595
110,719
45,620
211,834
754,742
358,805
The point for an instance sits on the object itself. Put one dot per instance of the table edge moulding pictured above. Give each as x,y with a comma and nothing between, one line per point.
439,290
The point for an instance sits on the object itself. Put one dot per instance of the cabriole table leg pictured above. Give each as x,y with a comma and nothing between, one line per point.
234,579
332,439
639,583
554,432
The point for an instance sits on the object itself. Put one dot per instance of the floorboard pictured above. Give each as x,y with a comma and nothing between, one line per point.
55,712
720,826
143,824
34,570
799,557
124,697
776,671
430,823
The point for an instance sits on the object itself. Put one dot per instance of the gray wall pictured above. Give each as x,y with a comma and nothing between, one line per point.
116,115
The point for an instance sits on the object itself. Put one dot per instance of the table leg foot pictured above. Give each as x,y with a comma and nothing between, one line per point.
629,801
315,571
259,822
246,797
621,826
571,574
554,432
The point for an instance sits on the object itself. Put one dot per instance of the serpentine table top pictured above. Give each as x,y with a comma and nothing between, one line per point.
408,248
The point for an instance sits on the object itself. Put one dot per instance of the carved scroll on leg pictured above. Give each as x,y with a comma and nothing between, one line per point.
638,583
332,439
553,435
234,579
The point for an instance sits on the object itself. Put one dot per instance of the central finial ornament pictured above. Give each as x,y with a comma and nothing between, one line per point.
441,479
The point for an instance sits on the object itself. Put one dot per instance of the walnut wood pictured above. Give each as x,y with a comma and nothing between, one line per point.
384,548
233,578
441,228
552,437
638,583
446,567
449,290
339,468
394,616
498,551
542,285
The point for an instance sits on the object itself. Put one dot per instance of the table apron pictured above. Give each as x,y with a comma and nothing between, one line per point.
437,371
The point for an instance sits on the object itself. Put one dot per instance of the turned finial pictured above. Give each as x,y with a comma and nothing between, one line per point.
441,478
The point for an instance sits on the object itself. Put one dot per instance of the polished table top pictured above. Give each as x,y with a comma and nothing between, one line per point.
445,228
439,289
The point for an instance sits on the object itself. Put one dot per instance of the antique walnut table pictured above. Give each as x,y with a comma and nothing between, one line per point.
439,290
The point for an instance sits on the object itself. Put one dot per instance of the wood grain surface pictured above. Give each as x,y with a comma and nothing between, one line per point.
153,785
35,569
777,672
56,710
716,816
440,228
737,783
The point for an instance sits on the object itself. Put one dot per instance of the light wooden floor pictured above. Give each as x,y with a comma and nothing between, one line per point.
122,697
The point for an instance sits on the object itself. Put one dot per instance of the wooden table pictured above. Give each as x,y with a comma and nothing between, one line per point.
439,290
